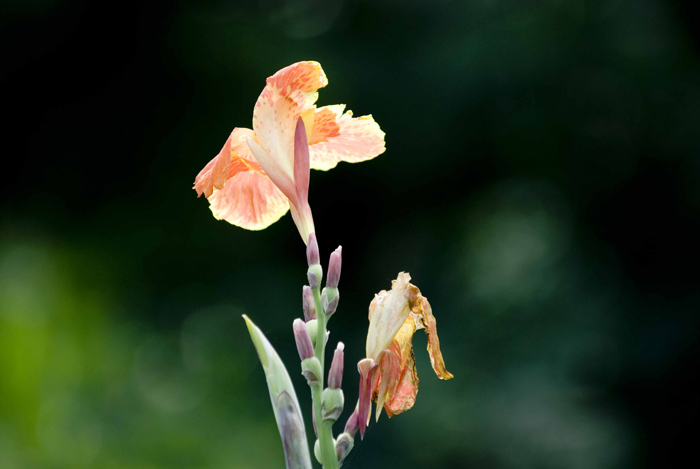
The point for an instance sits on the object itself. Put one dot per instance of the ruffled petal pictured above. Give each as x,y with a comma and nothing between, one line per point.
214,173
250,200
422,313
339,137
233,158
288,94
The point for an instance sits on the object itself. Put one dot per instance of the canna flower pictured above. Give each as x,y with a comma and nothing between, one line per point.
259,174
388,374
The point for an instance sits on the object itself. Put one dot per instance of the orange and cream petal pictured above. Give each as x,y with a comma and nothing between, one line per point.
249,200
241,155
288,94
337,137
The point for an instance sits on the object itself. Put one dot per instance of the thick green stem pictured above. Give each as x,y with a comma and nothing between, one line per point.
325,430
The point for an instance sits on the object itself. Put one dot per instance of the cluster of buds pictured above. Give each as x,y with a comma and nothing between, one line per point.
306,332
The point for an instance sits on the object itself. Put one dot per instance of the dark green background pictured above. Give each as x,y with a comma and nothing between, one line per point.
540,184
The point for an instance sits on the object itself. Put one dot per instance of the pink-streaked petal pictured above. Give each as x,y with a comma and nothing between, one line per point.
352,139
403,394
389,375
367,369
214,173
301,211
301,161
288,93
249,200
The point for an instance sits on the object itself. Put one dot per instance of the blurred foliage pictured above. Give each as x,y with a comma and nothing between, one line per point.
541,184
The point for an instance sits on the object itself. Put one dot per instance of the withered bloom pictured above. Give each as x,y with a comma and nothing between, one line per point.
388,374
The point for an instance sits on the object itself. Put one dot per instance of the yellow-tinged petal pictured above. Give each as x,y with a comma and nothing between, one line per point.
340,137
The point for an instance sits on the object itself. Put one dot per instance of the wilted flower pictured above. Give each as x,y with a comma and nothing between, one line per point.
388,374
259,174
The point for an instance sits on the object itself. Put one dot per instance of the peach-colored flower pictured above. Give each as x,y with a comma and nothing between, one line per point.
259,174
388,374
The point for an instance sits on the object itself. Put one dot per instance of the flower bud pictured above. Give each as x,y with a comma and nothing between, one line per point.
332,402
312,254
308,303
329,299
312,328
334,268
303,340
315,275
311,369
317,452
343,446
353,423
335,375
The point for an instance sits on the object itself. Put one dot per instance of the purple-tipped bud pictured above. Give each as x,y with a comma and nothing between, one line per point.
308,304
334,268
343,446
335,375
312,255
353,423
329,300
303,340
